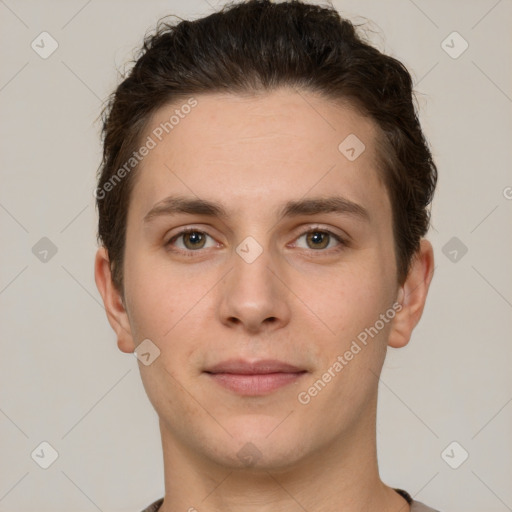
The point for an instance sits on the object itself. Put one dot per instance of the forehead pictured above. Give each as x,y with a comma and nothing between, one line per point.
267,148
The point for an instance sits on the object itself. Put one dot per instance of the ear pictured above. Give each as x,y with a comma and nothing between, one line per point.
114,307
412,296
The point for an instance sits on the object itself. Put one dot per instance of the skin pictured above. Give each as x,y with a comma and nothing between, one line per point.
296,302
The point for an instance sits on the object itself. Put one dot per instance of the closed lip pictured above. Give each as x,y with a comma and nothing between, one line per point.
261,367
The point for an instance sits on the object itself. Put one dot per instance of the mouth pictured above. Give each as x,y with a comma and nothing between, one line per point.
254,378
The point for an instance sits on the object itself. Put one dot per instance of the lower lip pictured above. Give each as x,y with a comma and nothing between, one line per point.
256,384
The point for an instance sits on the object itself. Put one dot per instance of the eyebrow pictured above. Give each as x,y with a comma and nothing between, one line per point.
173,205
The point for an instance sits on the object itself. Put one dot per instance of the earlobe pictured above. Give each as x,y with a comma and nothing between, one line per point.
112,300
412,296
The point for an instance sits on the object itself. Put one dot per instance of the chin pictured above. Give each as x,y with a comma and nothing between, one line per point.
260,428
259,442
257,457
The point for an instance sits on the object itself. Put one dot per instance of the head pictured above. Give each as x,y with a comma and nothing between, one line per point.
291,151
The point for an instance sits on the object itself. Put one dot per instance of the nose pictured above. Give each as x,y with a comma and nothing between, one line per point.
254,296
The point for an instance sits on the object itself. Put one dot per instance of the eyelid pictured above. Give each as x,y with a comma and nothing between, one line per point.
343,240
327,229
184,231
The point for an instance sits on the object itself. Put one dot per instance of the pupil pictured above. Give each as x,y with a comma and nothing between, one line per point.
194,238
318,238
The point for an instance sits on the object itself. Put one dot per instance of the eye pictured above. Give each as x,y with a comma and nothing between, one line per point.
318,239
190,240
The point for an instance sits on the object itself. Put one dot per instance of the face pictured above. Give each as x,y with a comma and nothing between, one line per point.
270,287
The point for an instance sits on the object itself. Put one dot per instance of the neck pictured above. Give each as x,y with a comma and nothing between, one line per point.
341,476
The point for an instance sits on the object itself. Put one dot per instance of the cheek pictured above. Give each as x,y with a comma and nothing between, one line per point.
168,306
345,302
350,354
152,295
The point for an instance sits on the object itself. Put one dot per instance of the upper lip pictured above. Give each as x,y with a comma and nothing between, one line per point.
241,367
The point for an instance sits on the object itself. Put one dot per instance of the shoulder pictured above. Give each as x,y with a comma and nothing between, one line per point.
154,506
417,506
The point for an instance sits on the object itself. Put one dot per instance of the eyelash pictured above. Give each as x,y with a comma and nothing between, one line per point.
342,243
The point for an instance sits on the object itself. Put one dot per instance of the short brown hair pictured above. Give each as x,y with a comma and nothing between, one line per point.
257,46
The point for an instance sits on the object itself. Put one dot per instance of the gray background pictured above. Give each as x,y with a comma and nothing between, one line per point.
64,381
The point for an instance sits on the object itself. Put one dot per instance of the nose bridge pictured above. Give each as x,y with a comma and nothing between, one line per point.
252,295
251,263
